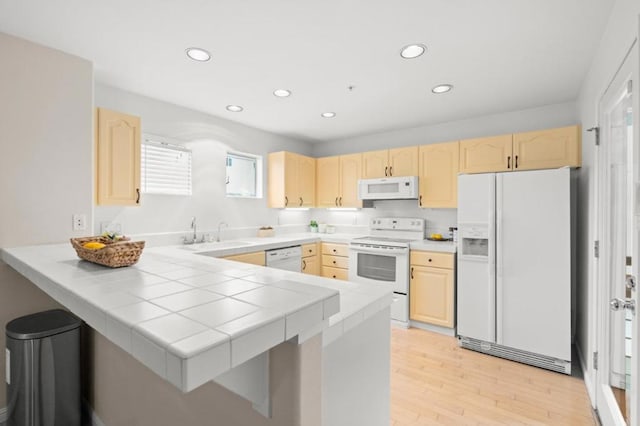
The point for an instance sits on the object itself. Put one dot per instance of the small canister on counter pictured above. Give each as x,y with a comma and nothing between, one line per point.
453,234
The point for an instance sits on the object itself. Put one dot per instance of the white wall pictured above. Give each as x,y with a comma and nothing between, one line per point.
46,134
621,30
549,116
209,138
46,161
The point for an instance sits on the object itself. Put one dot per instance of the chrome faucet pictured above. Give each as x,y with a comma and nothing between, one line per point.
193,226
220,225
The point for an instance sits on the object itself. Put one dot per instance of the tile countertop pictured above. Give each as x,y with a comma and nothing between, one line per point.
190,318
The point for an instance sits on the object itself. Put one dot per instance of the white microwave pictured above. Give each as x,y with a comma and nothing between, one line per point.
389,188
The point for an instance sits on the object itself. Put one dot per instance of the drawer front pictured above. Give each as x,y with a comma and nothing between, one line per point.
337,273
335,261
335,249
432,258
309,249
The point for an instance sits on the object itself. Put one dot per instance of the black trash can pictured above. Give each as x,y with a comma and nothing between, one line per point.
43,377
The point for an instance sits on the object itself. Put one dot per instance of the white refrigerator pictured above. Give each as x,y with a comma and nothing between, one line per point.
514,276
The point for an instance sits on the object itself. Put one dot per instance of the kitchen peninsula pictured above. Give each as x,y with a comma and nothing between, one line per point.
295,346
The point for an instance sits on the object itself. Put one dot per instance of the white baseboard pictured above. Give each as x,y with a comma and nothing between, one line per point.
3,414
586,376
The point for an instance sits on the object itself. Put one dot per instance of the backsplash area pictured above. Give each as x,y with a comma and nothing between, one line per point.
437,220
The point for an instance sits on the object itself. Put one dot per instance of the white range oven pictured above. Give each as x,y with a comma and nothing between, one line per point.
383,258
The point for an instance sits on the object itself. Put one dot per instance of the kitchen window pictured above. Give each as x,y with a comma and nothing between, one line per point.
166,168
244,175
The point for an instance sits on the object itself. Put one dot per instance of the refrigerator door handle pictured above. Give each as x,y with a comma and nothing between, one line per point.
497,253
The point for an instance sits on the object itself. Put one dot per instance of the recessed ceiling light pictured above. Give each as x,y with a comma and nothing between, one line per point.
234,108
442,88
413,51
198,54
328,114
282,93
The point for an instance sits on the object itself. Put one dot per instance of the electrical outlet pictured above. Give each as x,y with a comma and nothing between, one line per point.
79,222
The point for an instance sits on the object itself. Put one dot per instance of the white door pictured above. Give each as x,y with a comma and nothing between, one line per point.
533,261
619,213
476,257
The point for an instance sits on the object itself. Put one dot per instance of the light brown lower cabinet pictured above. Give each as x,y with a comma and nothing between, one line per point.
432,288
310,259
335,261
255,258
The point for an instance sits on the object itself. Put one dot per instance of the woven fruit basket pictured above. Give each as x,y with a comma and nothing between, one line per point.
115,254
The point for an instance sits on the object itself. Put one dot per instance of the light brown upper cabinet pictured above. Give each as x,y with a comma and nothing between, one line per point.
547,149
291,180
390,162
492,154
542,149
117,158
439,175
337,181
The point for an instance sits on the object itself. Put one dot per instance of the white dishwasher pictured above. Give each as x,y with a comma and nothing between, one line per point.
288,258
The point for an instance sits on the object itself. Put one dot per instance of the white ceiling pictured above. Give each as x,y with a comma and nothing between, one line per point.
501,55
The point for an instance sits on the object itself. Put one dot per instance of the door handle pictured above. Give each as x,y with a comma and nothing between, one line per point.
385,171
629,304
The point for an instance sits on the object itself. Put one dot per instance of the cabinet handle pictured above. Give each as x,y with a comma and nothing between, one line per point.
335,251
334,276
420,201
340,201
286,201
385,171
430,260
412,272
304,264
137,195
390,170
336,201
508,162
334,262
516,161
301,202
310,250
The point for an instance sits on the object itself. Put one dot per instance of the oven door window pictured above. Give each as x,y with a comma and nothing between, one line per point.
377,267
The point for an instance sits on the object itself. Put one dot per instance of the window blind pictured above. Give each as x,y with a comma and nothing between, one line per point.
166,169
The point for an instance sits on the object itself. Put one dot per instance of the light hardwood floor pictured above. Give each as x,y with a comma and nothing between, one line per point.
433,382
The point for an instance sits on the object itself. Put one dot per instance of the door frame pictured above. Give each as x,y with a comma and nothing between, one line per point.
605,402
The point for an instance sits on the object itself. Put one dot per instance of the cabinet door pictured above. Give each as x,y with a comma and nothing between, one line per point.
547,149
403,161
350,172
327,181
291,180
482,155
307,180
311,265
375,164
431,295
255,258
439,175
118,159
